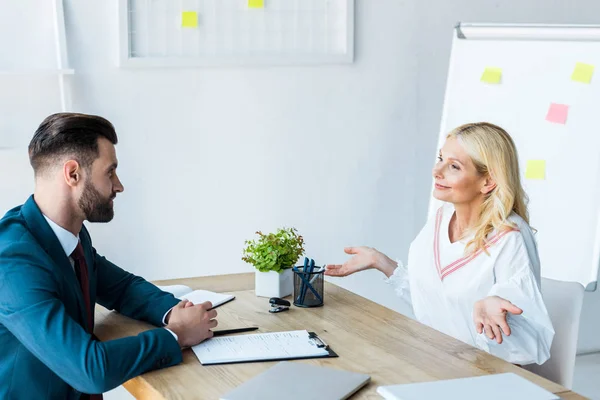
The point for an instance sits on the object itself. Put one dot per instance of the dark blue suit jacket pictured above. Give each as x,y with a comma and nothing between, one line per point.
45,353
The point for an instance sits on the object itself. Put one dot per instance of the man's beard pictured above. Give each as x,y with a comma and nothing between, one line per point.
94,206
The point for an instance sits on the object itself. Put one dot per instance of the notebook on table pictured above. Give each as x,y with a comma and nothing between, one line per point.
299,381
197,296
507,386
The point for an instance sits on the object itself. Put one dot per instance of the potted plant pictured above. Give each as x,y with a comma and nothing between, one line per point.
273,255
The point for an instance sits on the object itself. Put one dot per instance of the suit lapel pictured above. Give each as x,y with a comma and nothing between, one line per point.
45,236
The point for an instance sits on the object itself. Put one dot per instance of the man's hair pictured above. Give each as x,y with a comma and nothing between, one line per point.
68,134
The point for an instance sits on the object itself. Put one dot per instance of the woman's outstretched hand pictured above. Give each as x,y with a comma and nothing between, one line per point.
489,316
363,258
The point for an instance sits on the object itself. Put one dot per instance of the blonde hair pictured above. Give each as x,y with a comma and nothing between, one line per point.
494,154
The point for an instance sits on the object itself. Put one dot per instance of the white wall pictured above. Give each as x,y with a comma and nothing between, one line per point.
343,153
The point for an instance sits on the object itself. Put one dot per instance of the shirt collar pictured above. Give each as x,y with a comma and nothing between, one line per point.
67,240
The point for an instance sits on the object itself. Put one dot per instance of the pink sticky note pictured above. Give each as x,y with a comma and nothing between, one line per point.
558,113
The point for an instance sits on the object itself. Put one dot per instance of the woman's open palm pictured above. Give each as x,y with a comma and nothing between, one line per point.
489,316
363,258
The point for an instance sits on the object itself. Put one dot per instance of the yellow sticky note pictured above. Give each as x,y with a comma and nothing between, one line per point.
536,169
256,3
583,73
491,75
189,19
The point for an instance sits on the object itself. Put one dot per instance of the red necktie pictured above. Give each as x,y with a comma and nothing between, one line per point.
81,270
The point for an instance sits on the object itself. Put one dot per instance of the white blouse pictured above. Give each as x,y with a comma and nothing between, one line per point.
443,285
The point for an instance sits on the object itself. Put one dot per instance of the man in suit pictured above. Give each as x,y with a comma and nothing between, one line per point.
51,276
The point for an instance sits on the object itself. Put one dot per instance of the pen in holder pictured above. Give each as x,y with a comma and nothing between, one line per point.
308,285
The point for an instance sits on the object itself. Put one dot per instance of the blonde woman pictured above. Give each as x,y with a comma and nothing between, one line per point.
473,270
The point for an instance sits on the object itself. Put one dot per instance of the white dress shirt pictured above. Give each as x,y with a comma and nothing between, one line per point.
443,285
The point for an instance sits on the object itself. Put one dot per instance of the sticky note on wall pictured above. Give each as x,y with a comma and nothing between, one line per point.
256,3
557,113
492,75
536,169
189,19
583,73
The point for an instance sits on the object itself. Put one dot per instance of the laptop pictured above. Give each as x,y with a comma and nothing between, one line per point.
299,381
506,386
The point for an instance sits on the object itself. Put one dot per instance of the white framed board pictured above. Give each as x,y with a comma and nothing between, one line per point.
191,33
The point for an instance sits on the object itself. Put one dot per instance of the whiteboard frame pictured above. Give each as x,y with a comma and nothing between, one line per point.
554,32
127,61
62,59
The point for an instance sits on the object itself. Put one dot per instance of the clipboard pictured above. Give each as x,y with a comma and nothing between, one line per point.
262,347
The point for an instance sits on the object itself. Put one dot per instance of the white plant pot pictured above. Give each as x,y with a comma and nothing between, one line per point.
274,284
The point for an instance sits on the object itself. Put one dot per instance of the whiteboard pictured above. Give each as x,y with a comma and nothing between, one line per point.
537,63
153,33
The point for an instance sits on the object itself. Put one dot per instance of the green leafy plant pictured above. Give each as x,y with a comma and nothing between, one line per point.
274,251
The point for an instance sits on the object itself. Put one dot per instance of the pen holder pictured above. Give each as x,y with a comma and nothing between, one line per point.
308,287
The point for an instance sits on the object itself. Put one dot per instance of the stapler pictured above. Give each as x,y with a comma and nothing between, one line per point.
278,305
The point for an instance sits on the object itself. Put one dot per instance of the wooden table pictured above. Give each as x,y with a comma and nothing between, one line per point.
368,337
